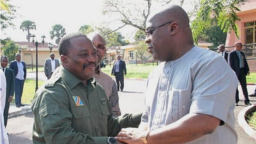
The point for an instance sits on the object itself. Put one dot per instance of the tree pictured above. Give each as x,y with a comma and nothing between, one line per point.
4,5
57,31
224,11
28,25
215,35
142,51
141,47
86,29
8,13
10,49
135,13
112,38
139,35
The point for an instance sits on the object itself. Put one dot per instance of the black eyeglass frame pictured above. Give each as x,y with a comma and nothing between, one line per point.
151,31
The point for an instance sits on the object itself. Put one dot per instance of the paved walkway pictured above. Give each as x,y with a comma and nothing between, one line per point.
243,138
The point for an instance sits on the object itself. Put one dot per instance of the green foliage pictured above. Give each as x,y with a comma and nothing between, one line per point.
86,29
57,31
214,34
8,13
222,10
252,120
28,25
112,38
142,51
140,35
10,49
4,5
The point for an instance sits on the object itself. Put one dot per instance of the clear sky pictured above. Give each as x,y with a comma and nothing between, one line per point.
71,14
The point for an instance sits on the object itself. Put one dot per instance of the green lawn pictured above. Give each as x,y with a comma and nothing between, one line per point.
251,78
40,69
143,70
28,91
133,70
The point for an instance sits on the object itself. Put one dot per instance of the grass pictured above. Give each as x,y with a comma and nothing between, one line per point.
40,69
252,120
133,70
251,78
28,91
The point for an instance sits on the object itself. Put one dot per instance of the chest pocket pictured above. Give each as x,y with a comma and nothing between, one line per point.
104,106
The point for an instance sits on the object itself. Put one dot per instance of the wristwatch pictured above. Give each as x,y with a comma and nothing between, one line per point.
112,140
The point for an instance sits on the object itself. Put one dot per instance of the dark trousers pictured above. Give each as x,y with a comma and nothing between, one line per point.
119,80
18,91
242,79
6,111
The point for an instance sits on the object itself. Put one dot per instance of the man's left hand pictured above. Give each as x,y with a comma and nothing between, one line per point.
10,99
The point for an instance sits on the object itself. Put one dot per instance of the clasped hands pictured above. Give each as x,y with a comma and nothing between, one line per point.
130,136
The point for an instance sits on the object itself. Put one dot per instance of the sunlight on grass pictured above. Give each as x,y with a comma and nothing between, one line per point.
40,69
251,78
133,70
28,91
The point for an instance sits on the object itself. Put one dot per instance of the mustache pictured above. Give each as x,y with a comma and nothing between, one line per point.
86,65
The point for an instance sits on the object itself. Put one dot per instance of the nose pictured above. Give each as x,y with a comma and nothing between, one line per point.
147,39
92,58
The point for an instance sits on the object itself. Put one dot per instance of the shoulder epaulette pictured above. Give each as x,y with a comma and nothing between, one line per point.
51,82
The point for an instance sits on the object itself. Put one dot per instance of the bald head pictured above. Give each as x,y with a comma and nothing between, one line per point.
171,13
168,33
98,38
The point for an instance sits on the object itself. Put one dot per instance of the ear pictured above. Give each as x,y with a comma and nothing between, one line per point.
173,28
64,60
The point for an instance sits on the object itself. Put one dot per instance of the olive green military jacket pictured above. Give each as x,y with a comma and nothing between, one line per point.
68,112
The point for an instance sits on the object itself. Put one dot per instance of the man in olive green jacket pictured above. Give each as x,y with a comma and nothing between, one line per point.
72,108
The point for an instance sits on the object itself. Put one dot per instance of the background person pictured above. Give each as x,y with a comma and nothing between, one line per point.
50,65
9,86
189,96
108,84
72,108
3,134
238,63
119,70
222,52
20,73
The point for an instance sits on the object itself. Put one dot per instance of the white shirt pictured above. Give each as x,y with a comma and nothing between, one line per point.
20,74
3,134
199,82
53,65
117,66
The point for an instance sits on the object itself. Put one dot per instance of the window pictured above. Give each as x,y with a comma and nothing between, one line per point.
250,32
131,54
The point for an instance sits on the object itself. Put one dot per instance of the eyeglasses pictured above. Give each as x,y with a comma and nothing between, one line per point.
99,46
151,31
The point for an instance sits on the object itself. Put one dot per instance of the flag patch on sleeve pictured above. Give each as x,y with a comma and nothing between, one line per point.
78,101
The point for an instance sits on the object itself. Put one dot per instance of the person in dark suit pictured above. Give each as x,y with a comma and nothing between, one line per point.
9,86
20,72
119,70
50,65
238,63
222,52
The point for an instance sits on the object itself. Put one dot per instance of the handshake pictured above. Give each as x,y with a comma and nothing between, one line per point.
131,136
